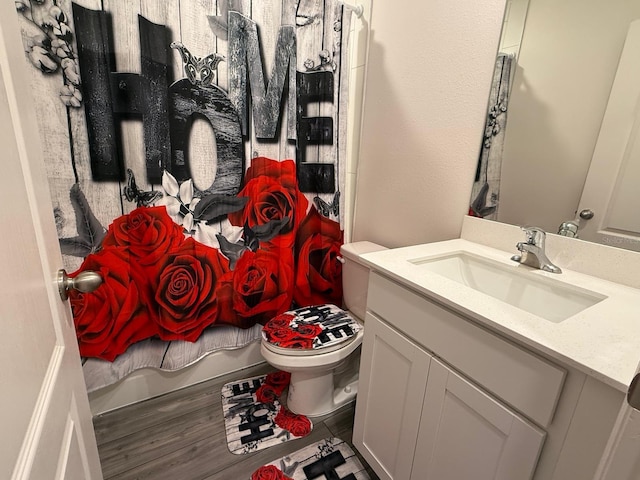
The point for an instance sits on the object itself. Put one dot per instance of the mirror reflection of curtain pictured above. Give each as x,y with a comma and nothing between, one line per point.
485,195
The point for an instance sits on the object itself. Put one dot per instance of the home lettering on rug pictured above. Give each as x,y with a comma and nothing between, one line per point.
242,396
245,387
254,417
328,459
326,466
254,423
250,418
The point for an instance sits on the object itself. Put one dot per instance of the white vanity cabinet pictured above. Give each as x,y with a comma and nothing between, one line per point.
389,400
465,433
441,397
417,419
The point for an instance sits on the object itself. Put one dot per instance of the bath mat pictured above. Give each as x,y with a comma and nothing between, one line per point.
330,458
255,419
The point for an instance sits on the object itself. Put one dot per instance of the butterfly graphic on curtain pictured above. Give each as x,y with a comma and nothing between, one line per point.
198,70
132,193
326,209
479,207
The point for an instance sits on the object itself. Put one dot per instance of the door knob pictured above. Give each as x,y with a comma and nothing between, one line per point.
85,282
586,214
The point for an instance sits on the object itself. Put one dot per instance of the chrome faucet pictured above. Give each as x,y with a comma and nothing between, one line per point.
533,253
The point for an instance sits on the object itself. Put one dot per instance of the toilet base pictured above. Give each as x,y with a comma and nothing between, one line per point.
315,395
320,383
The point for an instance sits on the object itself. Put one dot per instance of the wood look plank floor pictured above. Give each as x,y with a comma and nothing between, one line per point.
180,436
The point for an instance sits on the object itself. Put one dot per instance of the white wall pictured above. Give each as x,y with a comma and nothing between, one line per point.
567,63
428,78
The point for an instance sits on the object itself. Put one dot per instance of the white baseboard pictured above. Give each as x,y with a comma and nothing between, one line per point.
151,382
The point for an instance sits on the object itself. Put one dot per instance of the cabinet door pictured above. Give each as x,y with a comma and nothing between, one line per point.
393,377
464,433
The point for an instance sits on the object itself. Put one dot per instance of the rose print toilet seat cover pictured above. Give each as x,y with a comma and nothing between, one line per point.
310,329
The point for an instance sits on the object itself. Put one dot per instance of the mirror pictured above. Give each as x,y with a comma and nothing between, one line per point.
542,133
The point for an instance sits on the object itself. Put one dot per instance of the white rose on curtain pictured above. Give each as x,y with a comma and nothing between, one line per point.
182,207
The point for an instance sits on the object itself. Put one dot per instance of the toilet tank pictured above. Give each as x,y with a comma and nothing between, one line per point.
355,276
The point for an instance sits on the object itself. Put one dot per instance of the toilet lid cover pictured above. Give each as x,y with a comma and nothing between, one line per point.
311,328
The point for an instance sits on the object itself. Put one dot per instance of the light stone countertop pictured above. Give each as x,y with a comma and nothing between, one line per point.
602,341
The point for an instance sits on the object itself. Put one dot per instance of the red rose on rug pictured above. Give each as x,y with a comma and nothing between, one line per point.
149,233
266,394
297,425
269,472
278,380
185,290
258,289
318,273
272,189
114,316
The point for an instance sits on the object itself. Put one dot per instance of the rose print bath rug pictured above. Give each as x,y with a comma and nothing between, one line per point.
255,419
328,458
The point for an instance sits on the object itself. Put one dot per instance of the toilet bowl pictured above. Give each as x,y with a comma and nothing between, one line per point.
324,379
313,390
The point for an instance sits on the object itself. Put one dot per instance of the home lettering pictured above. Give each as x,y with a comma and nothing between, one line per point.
254,423
167,109
326,468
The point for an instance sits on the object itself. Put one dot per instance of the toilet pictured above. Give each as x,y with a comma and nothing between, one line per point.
325,379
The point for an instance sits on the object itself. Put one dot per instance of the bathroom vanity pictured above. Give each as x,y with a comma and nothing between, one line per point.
460,381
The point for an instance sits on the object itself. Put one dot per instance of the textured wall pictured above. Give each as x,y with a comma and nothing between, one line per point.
429,72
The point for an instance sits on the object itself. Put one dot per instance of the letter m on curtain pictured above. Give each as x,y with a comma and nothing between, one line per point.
245,66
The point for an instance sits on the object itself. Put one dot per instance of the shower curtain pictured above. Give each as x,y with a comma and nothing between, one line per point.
169,274
485,194
258,113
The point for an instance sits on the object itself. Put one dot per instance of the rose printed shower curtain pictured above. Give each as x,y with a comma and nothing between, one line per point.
209,200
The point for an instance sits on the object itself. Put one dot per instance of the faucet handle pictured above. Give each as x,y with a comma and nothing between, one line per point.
535,235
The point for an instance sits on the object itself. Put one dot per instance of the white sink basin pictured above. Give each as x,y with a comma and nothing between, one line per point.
513,284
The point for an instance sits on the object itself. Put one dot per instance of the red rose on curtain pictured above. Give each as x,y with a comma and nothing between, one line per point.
272,189
148,232
185,290
114,316
259,288
269,472
318,272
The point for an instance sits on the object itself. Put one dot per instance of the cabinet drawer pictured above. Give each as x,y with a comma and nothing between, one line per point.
521,379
